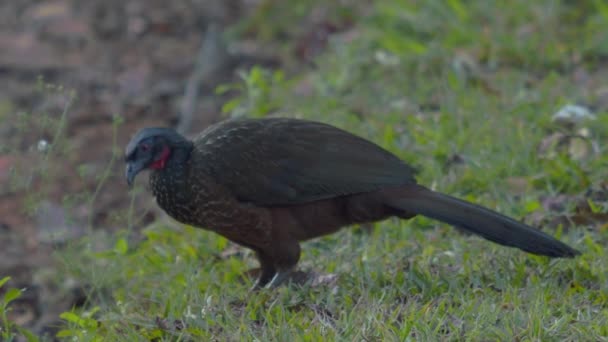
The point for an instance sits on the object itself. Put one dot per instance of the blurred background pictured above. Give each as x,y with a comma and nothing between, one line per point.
468,91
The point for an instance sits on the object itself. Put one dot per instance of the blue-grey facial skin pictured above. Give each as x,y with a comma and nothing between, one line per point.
138,157
147,146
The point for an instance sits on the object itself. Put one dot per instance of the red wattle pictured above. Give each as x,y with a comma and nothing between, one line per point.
162,161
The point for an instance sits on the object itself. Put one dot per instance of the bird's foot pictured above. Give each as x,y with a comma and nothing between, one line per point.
279,278
261,283
256,286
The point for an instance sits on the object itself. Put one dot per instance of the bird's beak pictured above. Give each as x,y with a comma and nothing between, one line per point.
133,168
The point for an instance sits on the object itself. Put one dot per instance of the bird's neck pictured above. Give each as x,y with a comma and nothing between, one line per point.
177,161
169,184
180,154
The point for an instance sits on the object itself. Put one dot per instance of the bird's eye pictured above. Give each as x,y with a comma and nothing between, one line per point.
144,147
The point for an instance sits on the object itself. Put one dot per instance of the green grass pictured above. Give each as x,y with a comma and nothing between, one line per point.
431,81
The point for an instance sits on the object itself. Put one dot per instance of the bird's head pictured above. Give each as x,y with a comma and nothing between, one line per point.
152,148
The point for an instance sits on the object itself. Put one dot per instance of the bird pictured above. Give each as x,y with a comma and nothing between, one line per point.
269,184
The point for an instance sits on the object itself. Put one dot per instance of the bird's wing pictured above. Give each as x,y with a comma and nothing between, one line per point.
275,162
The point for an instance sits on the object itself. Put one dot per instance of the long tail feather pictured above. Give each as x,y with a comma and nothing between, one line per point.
479,220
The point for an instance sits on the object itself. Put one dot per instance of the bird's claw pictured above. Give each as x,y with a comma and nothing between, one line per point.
280,277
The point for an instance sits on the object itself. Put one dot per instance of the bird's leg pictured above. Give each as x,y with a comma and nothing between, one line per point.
268,271
287,257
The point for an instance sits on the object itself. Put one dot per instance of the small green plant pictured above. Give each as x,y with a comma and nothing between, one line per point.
258,89
81,326
8,330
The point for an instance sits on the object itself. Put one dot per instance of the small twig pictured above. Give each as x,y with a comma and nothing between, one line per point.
212,57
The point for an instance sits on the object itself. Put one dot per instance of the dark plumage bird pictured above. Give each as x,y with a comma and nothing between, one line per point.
268,184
